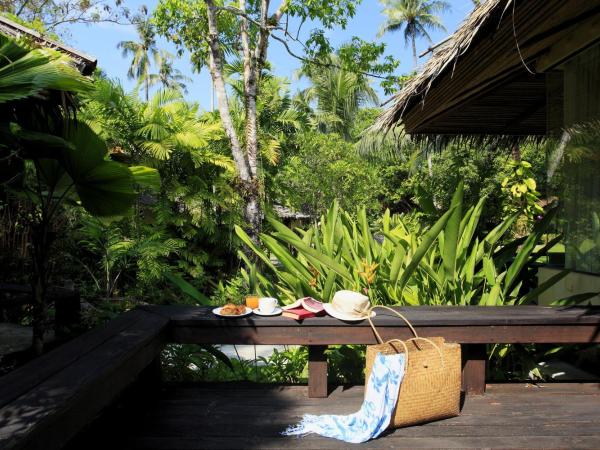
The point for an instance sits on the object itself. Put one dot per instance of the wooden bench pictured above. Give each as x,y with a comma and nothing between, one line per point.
49,400
471,326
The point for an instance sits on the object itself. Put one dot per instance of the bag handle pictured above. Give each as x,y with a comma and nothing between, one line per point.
377,335
437,347
415,339
400,341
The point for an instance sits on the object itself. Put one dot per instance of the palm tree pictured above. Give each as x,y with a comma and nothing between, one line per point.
168,76
338,96
153,131
142,51
417,17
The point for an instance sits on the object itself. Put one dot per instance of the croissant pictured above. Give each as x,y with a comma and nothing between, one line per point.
233,310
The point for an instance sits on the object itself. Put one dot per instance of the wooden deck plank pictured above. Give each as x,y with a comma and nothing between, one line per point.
46,416
18,382
218,416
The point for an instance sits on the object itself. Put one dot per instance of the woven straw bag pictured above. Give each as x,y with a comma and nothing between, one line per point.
430,389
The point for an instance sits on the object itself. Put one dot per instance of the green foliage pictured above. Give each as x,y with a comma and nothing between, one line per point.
432,186
184,229
51,16
279,118
338,95
325,168
25,72
232,291
342,253
193,362
50,158
142,53
450,263
184,23
289,366
111,250
521,190
416,17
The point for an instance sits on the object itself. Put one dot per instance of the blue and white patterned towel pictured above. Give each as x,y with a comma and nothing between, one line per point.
374,415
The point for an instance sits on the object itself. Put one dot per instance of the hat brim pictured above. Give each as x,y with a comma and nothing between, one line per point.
332,311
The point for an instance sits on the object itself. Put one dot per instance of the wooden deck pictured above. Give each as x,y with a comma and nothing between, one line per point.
241,416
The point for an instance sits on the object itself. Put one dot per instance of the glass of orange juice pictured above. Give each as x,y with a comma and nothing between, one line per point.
252,301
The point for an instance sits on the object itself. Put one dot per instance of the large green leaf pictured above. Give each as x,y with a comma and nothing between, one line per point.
525,251
146,177
26,72
218,354
423,247
543,287
106,190
576,299
187,288
246,240
314,254
451,232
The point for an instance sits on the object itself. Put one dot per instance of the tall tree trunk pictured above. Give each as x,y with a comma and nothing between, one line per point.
147,86
414,51
254,60
249,188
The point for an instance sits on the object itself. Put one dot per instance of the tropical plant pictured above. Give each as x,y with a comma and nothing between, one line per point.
325,168
417,17
110,249
342,253
197,203
152,130
49,158
337,95
143,52
451,263
521,190
167,75
215,33
78,173
279,119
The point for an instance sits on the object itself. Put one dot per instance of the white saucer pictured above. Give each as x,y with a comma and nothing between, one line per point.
275,312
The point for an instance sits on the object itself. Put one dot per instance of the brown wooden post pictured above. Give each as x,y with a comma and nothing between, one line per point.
474,358
317,371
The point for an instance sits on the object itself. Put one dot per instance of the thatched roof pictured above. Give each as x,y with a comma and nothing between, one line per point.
85,63
492,76
444,57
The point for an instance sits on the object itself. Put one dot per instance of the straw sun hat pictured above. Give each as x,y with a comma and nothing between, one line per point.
348,305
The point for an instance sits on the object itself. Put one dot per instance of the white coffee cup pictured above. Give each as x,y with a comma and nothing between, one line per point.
267,305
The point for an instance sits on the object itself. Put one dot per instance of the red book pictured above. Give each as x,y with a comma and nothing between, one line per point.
298,313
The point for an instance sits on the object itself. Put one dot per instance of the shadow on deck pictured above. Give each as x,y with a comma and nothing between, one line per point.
242,416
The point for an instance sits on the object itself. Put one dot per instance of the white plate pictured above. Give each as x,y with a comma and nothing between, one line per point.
275,312
217,312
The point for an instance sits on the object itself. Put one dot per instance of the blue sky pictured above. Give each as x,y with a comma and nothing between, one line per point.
100,40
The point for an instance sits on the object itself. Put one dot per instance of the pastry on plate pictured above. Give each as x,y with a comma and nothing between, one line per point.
231,309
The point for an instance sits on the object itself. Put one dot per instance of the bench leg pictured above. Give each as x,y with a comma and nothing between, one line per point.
474,364
317,371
